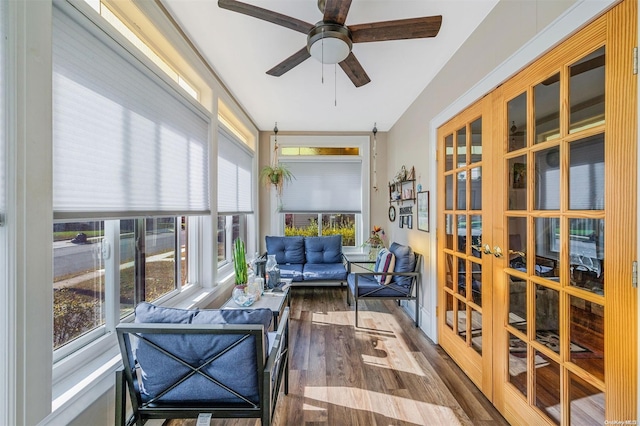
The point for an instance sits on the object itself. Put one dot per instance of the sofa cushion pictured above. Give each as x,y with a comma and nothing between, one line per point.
405,262
293,271
369,283
324,271
286,249
326,249
385,262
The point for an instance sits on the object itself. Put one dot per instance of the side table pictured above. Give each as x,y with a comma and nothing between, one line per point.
276,301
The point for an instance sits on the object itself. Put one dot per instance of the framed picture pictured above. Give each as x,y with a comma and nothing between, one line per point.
423,211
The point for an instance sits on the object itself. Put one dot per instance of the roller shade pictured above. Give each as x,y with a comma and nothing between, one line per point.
235,175
323,186
125,141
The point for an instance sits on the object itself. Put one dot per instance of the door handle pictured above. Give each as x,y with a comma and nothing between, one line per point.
487,249
497,251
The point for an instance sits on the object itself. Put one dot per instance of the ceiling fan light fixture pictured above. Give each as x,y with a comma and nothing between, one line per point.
329,43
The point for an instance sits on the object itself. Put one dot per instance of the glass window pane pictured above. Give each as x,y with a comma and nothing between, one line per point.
547,317
448,192
461,324
223,256
546,96
301,224
586,91
184,254
547,247
476,141
586,334
449,318
476,188
517,243
462,277
448,152
450,271
517,122
586,254
462,190
547,382
518,303
476,283
462,233
586,174
78,280
547,179
127,270
476,235
340,224
517,182
518,363
586,402
448,229
160,260
476,331
461,137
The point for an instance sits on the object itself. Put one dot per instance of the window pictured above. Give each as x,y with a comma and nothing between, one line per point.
120,230
329,189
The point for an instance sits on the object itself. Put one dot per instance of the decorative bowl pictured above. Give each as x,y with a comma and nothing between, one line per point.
241,297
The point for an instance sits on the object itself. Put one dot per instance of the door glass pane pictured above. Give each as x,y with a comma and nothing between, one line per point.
546,96
78,280
518,363
586,402
517,243
476,141
547,386
517,303
462,233
586,174
462,277
586,92
476,283
450,272
448,152
448,229
462,320
586,334
548,317
547,179
517,122
476,188
449,317
547,246
518,182
586,254
461,138
476,235
160,261
462,190
448,192
476,331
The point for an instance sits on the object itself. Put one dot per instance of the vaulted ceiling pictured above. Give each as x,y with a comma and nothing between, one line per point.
316,97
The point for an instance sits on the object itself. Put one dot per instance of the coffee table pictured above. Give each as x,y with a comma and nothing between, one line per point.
276,301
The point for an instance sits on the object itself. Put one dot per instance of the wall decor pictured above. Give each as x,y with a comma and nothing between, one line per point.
392,213
423,211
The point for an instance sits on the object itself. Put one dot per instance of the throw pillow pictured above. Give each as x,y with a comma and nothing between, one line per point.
385,262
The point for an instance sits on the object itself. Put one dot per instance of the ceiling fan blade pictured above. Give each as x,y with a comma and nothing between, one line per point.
401,29
266,15
336,11
354,71
292,61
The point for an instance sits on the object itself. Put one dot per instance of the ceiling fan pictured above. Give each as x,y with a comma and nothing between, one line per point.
330,40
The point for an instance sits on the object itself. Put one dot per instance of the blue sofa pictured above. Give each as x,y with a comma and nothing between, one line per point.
310,260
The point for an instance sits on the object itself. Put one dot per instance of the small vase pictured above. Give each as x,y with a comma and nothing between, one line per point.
241,297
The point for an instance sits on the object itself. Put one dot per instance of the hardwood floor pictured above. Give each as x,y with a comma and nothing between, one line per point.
387,372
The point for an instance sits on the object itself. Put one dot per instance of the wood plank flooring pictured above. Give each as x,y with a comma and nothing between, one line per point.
386,372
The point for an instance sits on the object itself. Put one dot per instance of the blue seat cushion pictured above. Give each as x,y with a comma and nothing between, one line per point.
324,271
405,262
159,371
292,271
326,249
286,249
368,283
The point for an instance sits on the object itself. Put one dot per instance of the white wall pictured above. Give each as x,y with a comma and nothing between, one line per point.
513,34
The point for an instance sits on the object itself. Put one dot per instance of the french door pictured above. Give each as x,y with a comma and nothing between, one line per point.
537,301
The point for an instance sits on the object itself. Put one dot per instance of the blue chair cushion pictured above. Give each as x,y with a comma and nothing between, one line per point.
326,249
286,249
324,271
160,371
368,283
405,262
292,271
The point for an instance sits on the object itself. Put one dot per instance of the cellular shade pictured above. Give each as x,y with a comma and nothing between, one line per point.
125,141
235,176
323,186
3,110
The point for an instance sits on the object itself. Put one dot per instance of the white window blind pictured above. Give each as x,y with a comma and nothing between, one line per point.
125,142
235,175
3,110
323,186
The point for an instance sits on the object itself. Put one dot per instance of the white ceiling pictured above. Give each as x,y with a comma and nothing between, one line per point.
241,49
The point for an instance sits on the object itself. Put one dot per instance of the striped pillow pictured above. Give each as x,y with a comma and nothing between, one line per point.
384,263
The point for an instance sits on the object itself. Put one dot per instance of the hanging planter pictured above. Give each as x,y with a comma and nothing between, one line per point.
276,174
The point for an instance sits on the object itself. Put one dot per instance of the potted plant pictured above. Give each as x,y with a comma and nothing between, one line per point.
276,175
